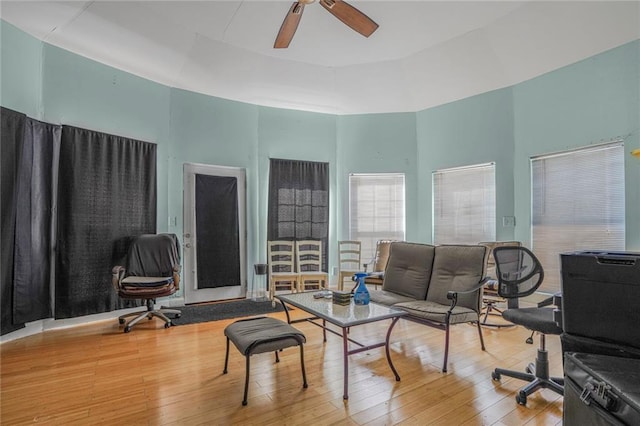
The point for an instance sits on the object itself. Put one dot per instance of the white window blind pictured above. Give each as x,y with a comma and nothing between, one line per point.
376,210
464,204
577,204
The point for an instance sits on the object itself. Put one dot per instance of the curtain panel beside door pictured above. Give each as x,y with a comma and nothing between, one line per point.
107,193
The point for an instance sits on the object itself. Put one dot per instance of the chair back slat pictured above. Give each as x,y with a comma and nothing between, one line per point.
349,255
309,255
280,256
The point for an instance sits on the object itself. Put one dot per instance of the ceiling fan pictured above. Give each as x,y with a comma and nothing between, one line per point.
342,10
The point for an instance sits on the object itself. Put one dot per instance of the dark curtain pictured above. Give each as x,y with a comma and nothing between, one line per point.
299,202
218,244
106,193
33,248
11,136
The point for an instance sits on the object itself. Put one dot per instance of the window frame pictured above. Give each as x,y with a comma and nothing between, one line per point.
490,221
550,261
368,243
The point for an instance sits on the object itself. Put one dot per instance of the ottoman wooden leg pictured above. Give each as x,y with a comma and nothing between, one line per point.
304,375
226,358
246,381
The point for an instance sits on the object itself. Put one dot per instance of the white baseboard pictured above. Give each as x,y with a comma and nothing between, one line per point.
43,325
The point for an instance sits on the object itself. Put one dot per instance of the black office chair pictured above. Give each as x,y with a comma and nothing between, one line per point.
152,270
520,274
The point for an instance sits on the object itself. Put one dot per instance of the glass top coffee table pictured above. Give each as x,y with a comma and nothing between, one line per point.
344,317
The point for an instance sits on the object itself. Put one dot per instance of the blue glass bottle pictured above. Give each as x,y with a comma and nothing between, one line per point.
361,294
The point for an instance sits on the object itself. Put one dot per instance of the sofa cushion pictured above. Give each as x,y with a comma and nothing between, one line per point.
408,269
388,298
457,268
423,309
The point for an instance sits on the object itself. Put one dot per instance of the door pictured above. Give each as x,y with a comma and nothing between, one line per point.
214,233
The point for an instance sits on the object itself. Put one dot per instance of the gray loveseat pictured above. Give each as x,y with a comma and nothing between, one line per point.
437,285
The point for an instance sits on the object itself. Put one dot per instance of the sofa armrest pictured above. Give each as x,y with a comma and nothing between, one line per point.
453,295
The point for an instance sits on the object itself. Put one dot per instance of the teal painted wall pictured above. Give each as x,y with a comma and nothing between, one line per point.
471,131
586,103
377,143
595,99
20,71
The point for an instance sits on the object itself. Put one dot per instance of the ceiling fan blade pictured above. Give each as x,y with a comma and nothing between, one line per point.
289,26
351,16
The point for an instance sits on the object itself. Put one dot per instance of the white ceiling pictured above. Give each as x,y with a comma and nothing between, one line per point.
424,54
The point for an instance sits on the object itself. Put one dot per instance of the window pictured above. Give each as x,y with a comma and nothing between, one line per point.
299,202
577,204
464,204
376,209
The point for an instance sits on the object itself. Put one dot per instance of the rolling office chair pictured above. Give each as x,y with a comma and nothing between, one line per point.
152,270
520,274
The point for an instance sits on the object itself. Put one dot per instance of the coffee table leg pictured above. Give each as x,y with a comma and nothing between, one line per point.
386,348
345,355
286,311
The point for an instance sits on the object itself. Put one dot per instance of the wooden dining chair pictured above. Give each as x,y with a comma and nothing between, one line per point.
378,264
349,255
282,271
309,263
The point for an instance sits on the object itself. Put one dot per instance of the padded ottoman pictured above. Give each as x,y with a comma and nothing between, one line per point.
259,335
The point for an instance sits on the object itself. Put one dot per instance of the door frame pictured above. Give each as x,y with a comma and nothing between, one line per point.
190,271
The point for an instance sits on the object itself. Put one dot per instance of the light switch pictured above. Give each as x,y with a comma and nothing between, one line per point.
508,221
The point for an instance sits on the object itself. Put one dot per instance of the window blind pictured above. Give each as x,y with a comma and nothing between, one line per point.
299,202
464,204
577,204
376,210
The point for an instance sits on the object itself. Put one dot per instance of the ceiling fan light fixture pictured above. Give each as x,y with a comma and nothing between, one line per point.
349,15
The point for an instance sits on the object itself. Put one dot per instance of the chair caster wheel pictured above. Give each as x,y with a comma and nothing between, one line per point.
167,324
495,376
244,402
529,340
127,329
121,321
521,398
177,316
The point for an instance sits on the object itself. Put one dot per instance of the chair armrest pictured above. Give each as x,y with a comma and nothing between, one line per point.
379,275
453,295
371,262
176,277
546,302
116,276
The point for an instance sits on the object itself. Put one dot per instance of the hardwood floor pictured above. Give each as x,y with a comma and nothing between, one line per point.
96,374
